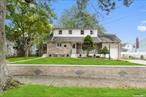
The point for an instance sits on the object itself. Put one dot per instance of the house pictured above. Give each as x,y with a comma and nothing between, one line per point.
10,51
130,50
127,47
68,42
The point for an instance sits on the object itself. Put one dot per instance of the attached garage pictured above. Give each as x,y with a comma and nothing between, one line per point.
112,42
114,53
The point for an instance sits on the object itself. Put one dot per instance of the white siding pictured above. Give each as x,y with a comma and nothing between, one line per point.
75,33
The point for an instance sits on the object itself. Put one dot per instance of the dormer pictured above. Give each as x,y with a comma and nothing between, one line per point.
75,32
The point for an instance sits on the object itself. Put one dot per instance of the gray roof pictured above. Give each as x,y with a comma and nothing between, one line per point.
101,38
109,38
73,39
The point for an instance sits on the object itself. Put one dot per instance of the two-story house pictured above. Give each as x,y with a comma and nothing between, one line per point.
68,42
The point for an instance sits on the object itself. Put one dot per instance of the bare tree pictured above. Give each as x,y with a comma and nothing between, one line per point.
3,66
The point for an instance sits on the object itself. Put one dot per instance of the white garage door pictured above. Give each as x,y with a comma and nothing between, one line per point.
114,53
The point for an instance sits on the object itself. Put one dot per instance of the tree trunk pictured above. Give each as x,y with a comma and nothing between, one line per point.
27,52
3,66
27,49
87,53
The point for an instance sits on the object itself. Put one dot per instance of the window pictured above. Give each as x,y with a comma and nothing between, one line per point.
82,32
60,31
91,32
58,44
73,46
70,31
65,45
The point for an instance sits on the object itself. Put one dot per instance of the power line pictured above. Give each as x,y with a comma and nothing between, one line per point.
94,8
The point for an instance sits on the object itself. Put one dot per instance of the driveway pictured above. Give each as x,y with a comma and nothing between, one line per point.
137,61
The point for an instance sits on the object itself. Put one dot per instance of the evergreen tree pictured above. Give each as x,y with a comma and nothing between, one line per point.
88,44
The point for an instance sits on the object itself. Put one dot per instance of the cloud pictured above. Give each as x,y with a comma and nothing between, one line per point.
141,28
143,22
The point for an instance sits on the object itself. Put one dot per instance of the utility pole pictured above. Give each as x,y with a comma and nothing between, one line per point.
109,51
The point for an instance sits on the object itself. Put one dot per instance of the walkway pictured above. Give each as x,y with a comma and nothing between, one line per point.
25,60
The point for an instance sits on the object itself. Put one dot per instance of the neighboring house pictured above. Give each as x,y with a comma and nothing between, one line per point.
130,50
127,47
68,42
10,51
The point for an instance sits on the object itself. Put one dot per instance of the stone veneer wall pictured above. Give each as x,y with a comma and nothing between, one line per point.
53,49
105,76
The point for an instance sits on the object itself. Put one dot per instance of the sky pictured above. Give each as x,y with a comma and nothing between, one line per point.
127,23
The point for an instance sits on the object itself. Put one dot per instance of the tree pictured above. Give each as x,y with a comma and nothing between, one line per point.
3,67
104,51
108,5
28,22
88,44
78,17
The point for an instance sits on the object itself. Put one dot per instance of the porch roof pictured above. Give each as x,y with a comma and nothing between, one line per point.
73,39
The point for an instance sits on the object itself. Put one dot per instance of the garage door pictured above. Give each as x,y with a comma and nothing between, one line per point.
114,53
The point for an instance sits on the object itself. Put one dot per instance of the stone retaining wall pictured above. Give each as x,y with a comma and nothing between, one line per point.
114,76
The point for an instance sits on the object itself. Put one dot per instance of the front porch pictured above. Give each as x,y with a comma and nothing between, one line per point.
77,51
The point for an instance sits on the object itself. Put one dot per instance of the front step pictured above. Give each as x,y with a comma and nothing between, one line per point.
74,56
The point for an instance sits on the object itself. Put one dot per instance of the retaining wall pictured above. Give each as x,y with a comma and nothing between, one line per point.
115,76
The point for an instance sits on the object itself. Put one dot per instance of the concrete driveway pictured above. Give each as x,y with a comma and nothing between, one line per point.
137,61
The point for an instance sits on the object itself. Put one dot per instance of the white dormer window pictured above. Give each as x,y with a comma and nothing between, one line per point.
70,32
60,31
91,32
82,32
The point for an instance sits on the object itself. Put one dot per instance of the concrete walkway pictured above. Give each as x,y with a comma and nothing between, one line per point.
137,61
25,60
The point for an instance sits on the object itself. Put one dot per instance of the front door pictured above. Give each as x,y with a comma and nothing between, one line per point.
74,48
79,48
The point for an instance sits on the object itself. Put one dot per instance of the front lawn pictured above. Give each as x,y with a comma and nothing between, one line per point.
45,91
71,61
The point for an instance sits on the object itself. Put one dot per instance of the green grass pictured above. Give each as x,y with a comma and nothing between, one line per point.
45,91
71,61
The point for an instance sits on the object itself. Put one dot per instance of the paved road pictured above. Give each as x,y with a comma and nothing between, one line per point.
137,61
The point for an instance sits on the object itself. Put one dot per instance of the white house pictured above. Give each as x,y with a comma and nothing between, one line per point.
10,51
68,42
129,50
